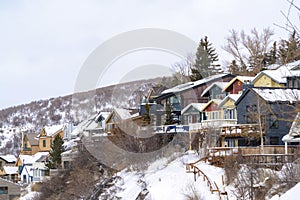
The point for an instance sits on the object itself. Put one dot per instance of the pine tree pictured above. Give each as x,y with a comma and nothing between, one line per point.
205,62
272,56
55,153
289,51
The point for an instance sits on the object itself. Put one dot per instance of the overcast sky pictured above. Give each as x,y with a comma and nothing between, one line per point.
43,44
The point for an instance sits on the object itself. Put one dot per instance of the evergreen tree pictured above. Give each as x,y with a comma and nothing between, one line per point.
205,62
272,56
55,153
289,51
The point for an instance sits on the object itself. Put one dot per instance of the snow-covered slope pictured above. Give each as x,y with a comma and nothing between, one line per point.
163,180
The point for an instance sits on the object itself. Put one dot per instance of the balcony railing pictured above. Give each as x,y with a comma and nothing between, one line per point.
171,129
216,123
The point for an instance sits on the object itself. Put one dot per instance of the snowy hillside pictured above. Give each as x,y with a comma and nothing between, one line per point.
167,180
79,106
10,140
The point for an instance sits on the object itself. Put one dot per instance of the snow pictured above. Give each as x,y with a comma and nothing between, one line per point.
292,194
221,85
10,170
9,158
166,180
197,106
189,85
278,94
51,130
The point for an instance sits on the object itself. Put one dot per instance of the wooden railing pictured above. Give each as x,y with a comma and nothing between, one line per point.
213,187
216,123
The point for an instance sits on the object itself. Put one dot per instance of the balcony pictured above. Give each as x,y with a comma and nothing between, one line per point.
215,123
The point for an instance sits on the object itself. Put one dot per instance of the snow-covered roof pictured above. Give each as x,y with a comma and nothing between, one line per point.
279,75
243,79
189,85
123,113
221,85
26,159
197,106
94,122
278,94
294,133
40,155
233,97
51,130
9,158
10,169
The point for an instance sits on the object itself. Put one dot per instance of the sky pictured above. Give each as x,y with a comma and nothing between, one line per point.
44,44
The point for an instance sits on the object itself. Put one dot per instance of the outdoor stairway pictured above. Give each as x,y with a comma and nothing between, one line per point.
213,187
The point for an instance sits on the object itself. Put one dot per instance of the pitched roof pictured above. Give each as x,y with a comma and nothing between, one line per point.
294,133
233,97
221,85
278,94
197,106
216,101
190,85
279,75
51,130
243,79
32,139
10,170
9,158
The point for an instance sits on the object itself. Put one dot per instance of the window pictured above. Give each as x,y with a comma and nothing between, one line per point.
273,122
3,190
274,140
44,143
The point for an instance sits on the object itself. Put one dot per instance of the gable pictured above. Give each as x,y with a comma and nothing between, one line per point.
191,109
212,107
229,103
265,81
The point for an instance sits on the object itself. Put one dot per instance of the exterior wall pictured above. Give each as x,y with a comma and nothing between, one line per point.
237,87
13,191
41,143
192,115
265,81
281,114
213,112
229,105
216,93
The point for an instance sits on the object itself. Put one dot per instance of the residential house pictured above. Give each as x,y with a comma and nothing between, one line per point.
9,173
274,109
193,113
228,107
47,135
116,116
40,170
235,86
7,160
182,95
30,144
25,164
9,190
94,126
275,78
215,91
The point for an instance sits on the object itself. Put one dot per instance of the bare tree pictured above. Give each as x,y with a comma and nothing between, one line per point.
249,51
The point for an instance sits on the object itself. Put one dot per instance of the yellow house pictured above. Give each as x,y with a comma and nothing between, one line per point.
271,78
229,113
47,135
30,144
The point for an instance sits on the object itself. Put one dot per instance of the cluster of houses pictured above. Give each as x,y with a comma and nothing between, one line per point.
222,110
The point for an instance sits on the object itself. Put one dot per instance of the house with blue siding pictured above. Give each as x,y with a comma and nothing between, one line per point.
274,109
